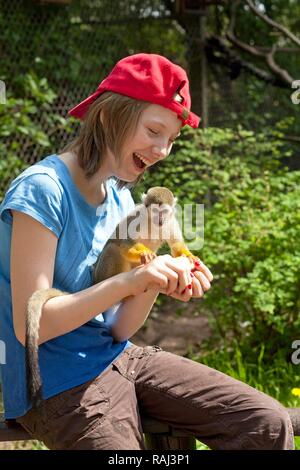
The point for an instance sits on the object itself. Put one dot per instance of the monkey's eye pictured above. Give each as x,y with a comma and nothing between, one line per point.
165,211
155,210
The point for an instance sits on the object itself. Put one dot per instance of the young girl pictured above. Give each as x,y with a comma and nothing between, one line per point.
55,220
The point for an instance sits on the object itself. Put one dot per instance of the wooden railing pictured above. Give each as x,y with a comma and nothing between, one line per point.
158,435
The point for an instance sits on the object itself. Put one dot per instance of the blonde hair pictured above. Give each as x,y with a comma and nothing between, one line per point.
109,122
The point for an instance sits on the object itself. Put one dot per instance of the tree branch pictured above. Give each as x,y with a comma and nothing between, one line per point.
290,138
273,23
279,49
217,44
243,46
219,52
231,35
283,75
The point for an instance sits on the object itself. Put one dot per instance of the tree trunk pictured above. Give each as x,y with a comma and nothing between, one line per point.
195,22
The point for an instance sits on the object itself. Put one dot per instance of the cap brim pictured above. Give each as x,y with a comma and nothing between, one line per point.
193,120
80,109
187,117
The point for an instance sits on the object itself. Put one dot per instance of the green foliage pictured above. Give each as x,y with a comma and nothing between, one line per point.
253,238
252,223
22,120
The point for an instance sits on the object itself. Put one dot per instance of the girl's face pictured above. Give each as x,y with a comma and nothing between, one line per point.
152,141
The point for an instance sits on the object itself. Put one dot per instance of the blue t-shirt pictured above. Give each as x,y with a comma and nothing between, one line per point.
46,192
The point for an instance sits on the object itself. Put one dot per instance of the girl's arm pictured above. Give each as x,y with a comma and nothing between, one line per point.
33,249
132,314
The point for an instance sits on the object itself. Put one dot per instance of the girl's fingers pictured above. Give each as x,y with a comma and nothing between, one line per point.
172,279
201,267
158,269
184,297
202,279
198,290
183,268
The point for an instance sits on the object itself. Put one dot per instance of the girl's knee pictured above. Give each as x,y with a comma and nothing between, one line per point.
271,429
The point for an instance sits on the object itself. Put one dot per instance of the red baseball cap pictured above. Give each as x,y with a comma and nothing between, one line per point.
147,77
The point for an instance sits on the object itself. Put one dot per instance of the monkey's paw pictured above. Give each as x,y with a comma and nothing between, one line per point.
147,257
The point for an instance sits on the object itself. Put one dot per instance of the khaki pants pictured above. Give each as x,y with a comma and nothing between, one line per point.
104,413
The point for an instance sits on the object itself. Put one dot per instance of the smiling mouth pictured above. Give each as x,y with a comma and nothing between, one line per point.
139,161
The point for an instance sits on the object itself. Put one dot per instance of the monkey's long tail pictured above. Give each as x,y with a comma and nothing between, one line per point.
34,312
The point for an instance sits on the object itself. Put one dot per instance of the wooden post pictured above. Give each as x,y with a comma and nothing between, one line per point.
12,431
203,76
161,436
194,17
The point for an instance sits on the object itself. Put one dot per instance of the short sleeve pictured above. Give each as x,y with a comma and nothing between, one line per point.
37,195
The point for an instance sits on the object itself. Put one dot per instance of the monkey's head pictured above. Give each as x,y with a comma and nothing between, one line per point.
160,204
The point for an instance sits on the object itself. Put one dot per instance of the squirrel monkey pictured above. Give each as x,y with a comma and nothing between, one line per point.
129,247
125,249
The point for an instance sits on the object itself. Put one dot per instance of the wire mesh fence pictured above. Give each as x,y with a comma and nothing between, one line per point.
75,43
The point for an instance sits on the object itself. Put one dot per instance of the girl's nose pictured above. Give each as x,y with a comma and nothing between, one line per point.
161,151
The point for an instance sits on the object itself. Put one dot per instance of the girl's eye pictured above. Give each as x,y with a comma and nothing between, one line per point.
152,131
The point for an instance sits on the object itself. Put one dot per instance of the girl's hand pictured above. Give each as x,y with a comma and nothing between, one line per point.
201,283
202,279
164,273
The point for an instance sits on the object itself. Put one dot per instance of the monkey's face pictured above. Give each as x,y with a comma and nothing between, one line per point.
152,141
160,214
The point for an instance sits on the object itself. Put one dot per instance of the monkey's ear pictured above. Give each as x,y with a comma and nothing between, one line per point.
143,197
175,201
